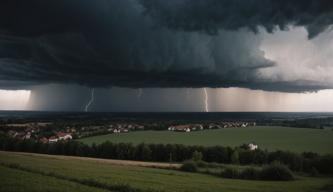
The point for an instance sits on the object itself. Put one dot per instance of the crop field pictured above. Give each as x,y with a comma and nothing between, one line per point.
270,138
27,172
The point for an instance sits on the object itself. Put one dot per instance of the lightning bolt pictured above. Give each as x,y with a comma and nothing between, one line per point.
206,100
92,98
140,93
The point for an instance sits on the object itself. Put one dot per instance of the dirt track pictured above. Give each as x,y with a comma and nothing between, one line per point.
110,161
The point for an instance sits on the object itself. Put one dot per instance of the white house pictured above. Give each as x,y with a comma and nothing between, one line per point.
116,130
180,128
244,124
53,139
64,136
252,147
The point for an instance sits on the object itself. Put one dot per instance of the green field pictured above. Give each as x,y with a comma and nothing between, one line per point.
16,181
138,178
270,138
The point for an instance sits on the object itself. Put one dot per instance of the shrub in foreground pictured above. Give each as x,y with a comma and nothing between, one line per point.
231,172
251,173
276,171
189,166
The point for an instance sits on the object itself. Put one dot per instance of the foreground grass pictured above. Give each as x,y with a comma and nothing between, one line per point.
267,137
13,180
141,178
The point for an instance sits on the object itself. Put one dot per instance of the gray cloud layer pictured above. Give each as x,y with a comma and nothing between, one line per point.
112,43
212,15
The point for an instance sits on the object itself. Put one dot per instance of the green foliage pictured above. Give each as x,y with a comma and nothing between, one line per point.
314,172
251,173
231,172
197,156
175,152
235,157
189,166
267,137
276,171
143,178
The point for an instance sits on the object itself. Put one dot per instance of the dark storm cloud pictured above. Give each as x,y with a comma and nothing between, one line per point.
212,15
112,43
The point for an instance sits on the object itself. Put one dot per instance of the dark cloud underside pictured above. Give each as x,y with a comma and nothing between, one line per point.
148,43
212,15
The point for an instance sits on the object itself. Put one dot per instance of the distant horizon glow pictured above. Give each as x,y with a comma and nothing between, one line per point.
14,99
218,100
240,99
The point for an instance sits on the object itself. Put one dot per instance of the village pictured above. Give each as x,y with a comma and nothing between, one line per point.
200,127
49,132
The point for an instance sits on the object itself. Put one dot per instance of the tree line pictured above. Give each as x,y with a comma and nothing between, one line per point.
305,162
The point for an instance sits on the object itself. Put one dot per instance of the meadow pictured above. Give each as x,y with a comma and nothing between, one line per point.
267,137
27,172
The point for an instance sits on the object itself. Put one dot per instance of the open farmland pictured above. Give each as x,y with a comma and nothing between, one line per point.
270,138
26,172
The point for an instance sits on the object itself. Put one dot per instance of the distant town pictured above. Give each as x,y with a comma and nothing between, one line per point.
49,132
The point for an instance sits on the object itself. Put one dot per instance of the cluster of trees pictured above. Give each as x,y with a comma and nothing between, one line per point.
275,171
305,162
315,123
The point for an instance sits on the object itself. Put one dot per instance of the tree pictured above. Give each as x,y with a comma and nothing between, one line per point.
197,156
235,157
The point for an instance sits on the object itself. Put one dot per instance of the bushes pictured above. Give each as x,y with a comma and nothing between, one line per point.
324,164
189,166
293,160
274,172
232,173
251,173
197,156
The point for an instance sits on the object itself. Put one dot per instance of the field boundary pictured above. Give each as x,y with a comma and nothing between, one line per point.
106,161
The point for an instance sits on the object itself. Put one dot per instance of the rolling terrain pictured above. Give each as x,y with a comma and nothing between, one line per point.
267,137
33,172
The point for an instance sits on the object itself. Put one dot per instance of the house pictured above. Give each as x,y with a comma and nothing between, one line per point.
244,125
124,130
116,130
140,127
53,139
252,147
43,140
64,136
197,127
180,128
27,136
12,133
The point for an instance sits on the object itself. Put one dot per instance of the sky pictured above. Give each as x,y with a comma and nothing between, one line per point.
176,55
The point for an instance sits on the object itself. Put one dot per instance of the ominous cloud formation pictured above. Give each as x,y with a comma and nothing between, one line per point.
212,15
149,43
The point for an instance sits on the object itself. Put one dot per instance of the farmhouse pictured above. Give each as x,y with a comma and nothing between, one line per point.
180,128
121,130
252,147
64,136
43,140
53,139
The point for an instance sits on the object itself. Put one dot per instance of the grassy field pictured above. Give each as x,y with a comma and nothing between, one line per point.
68,174
270,138
16,181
